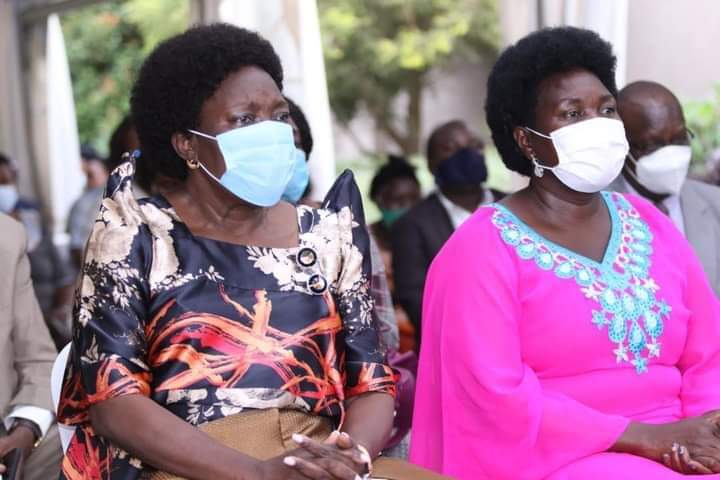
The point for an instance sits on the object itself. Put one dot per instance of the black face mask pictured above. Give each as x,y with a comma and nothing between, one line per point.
464,168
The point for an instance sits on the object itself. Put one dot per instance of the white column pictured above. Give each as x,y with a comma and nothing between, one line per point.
609,18
315,100
59,169
14,140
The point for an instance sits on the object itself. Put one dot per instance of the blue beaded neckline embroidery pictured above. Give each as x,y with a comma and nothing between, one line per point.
620,284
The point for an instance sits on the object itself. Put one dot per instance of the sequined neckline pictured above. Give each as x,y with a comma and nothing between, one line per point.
610,248
621,284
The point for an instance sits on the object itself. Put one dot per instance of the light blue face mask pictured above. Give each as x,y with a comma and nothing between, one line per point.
8,198
299,180
259,161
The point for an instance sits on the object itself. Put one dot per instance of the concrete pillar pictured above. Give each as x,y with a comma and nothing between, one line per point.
14,139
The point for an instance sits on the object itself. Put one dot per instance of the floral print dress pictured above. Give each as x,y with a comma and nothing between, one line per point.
208,329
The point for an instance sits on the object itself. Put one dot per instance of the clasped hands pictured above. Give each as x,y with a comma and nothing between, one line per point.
337,458
695,445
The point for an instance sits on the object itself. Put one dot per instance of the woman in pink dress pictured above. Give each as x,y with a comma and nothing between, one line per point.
569,333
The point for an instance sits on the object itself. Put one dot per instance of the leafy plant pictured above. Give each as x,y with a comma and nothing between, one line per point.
703,118
377,51
106,45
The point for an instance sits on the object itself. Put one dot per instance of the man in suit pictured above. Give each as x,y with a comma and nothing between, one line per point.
657,165
26,357
455,157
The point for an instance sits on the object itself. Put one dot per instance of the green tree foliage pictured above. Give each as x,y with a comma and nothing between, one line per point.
703,119
376,50
106,45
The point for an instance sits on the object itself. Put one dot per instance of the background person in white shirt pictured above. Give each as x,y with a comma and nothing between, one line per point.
657,166
455,157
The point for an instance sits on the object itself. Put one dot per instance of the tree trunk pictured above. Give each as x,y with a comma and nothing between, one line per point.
413,119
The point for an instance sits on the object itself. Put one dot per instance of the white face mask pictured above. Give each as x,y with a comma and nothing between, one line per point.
663,171
590,153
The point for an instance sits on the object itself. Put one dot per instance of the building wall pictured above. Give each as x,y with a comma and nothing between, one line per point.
675,42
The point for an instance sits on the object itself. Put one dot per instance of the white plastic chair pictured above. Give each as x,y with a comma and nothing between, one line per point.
56,381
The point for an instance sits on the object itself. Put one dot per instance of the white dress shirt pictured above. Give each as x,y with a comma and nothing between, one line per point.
39,416
672,203
458,215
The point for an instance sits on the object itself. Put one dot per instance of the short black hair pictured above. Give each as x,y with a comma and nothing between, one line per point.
395,168
5,160
513,82
118,142
439,135
180,75
297,115
144,175
88,153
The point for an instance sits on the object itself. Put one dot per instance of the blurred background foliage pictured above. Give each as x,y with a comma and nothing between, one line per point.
703,118
377,51
106,45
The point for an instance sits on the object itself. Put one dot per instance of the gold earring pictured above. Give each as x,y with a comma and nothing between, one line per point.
193,164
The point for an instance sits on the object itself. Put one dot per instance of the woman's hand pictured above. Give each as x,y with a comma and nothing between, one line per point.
700,437
299,466
336,458
680,461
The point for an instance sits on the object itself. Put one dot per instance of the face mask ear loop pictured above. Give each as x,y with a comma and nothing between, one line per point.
538,133
202,167
209,137
539,169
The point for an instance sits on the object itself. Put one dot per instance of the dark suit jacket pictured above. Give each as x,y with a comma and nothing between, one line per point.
417,238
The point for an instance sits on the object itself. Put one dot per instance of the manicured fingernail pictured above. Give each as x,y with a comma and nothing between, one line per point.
682,450
290,461
365,457
297,438
358,477
674,447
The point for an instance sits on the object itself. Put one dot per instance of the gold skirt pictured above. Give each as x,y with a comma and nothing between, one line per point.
265,434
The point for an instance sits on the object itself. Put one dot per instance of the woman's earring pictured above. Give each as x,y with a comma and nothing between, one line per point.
539,171
193,164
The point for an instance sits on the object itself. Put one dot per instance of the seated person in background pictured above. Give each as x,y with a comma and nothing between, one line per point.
302,135
297,193
395,190
52,275
83,211
657,167
26,357
569,333
455,157
229,330
387,317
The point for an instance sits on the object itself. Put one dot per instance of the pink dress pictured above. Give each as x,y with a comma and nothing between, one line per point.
535,359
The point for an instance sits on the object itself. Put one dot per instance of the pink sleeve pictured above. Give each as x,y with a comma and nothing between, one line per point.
700,361
493,417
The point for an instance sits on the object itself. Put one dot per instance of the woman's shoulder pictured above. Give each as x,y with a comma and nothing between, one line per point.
122,218
342,207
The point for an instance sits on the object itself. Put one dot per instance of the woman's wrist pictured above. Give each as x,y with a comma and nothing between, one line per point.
638,439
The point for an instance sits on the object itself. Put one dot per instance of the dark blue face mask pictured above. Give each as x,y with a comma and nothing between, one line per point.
464,167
